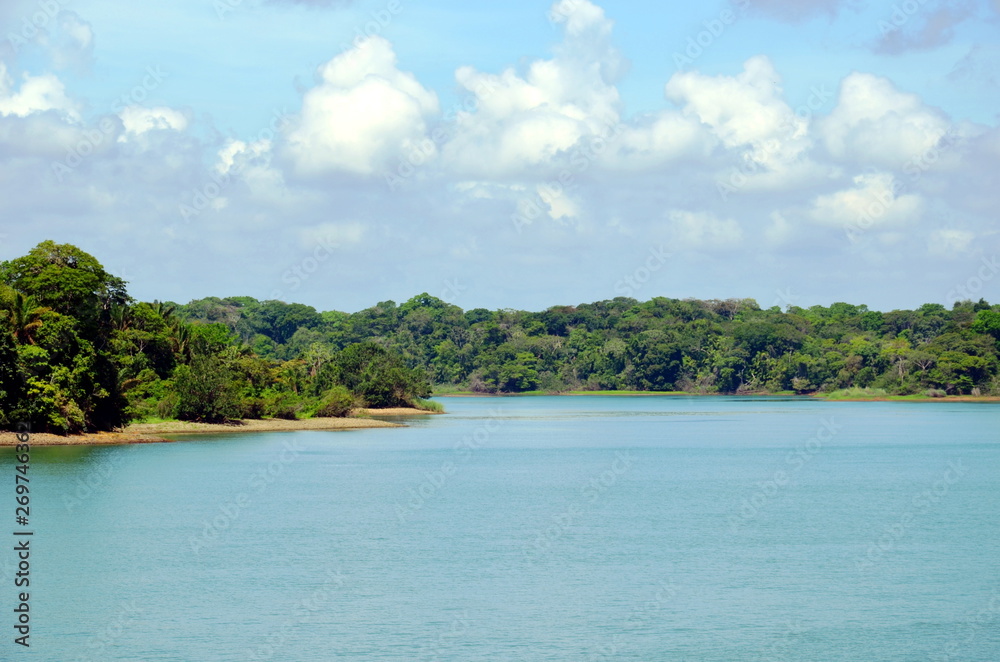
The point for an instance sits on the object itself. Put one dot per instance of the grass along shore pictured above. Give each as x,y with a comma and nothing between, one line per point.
160,431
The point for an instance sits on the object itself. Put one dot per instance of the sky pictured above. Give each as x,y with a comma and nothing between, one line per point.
509,155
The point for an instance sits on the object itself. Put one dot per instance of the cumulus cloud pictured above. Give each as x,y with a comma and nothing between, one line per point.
522,121
138,120
37,94
875,123
747,115
876,200
362,114
741,110
634,180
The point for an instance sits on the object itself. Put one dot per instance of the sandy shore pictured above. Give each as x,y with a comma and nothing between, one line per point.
150,433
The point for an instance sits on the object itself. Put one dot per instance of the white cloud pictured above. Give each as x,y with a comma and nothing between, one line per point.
138,120
363,113
741,110
37,94
561,205
950,242
529,120
704,230
875,123
660,138
873,202
747,115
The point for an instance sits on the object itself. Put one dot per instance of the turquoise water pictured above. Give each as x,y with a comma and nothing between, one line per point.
543,528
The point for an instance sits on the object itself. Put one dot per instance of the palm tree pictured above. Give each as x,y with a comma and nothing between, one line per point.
121,317
180,339
25,317
164,311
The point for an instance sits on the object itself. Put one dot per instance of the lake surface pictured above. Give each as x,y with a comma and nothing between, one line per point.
541,528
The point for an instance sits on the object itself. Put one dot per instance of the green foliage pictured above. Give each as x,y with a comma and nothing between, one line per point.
277,404
337,402
988,321
377,376
76,353
68,280
207,391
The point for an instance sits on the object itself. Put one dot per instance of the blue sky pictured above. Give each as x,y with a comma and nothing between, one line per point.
805,152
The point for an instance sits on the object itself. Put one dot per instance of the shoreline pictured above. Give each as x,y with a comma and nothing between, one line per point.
810,396
154,433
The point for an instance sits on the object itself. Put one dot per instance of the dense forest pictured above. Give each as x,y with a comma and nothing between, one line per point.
76,352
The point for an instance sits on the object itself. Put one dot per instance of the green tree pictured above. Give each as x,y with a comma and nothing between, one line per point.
207,391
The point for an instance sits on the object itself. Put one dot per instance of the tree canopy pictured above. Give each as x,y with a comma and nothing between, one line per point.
78,353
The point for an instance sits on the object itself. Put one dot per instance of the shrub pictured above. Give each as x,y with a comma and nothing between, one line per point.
337,402
207,392
282,405
254,408
167,407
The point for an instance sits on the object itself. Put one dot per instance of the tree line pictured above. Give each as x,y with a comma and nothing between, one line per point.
76,352
720,346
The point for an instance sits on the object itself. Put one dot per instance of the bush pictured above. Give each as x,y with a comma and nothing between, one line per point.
282,405
935,393
254,408
167,407
207,392
336,403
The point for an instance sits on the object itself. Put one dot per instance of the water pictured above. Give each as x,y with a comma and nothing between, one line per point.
569,528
